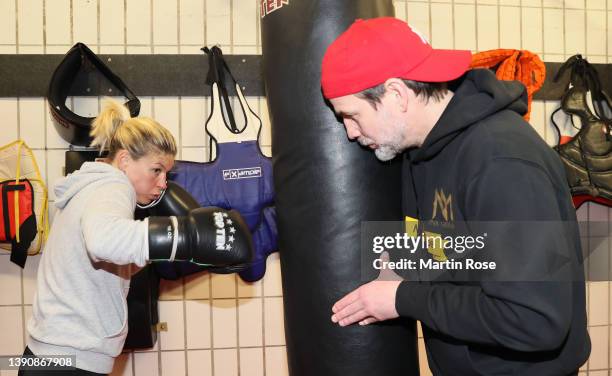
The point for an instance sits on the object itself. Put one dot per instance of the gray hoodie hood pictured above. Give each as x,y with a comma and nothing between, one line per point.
90,173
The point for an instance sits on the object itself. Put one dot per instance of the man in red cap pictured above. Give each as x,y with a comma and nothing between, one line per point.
467,155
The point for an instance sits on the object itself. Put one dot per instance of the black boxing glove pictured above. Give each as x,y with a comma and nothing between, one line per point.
205,236
174,201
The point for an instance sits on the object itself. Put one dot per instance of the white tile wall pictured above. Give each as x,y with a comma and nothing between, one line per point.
172,313
274,334
574,4
57,23
596,32
31,128
222,325
276,361
250,289
510,27
251,362
441,25
223,286
218,22
245,28
193,117
10,116
465,27
30,22
112,27
173,363
487,27
138,22
165,22
8,22
574,40
531,37
11,327
147,363
250,322
85,22
10,280
199,362
225,362
596,4
198,313
191,22
418,18
553,27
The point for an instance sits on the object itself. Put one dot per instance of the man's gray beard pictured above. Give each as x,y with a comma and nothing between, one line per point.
383,152
386,152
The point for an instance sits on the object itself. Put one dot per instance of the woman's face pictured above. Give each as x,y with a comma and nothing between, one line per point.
147,174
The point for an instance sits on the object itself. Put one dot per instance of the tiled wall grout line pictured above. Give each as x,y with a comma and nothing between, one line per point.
211,327
185,322
44,30
211,348
152,33
17,27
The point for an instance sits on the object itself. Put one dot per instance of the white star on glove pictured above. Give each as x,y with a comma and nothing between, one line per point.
232,230
230,239
224,215
228,247
229,222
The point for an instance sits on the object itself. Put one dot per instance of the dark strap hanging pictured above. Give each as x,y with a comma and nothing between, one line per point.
216,74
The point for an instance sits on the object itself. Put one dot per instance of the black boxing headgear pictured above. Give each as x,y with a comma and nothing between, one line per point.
72,127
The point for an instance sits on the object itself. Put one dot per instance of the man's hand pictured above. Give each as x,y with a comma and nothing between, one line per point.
372,302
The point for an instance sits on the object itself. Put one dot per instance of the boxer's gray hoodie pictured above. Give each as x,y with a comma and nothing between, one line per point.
84,275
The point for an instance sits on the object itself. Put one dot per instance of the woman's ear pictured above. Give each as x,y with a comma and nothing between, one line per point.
123,159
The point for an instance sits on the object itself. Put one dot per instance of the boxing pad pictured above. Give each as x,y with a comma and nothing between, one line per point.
325,188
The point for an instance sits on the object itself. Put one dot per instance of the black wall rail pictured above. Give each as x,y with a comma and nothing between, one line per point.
183,75
145,75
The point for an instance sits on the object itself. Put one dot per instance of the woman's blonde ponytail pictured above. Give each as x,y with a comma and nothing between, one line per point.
108,121
114,130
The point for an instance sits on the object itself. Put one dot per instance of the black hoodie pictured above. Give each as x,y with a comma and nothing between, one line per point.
491,165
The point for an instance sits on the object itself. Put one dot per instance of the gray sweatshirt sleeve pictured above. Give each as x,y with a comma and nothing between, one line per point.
109,230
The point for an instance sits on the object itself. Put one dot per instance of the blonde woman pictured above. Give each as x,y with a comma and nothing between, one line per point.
95,245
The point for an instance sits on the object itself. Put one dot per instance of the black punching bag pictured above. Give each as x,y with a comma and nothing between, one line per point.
325,187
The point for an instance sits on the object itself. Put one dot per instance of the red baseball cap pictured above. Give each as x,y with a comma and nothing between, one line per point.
374,50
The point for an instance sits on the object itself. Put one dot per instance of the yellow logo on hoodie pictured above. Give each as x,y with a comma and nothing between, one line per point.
435,247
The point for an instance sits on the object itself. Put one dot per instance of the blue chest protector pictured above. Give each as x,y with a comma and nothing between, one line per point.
239,178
